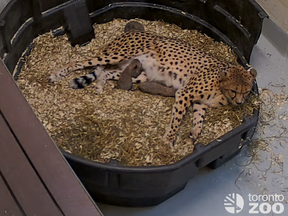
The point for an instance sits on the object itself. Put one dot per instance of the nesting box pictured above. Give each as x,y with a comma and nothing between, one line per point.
237,23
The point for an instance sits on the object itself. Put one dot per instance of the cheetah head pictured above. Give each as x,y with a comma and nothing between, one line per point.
236,83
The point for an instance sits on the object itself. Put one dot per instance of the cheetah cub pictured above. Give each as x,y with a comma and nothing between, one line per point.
200,79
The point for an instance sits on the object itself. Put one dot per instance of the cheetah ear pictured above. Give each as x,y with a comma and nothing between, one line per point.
223,75
252,71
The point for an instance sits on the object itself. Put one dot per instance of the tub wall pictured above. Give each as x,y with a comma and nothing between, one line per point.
3,4
277,10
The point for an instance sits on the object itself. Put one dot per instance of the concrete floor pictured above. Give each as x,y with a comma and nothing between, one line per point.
267,174
277,11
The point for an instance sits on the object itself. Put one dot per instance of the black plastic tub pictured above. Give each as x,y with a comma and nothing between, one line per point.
237,23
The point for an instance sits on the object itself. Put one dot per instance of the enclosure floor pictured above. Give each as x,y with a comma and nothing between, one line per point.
205,194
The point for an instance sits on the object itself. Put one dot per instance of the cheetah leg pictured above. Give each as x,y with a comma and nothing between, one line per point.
102,75
141,78
179,110
106,75
114,75
199,111
77,65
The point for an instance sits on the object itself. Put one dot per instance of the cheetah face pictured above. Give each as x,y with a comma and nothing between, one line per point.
236,84
236,96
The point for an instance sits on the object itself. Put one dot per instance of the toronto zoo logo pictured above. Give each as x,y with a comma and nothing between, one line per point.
234,203
264,204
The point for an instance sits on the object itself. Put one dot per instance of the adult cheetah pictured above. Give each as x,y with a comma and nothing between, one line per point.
200,79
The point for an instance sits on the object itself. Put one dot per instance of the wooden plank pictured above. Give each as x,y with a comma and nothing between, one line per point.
8,206
54,170
21,177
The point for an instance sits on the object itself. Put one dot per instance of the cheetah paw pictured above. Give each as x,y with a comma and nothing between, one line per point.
189,141
168,140
194,134
53,78
99,89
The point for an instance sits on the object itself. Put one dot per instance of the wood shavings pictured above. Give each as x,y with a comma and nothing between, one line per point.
122,125
272,121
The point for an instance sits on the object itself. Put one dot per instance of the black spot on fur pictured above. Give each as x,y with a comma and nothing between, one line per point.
175,76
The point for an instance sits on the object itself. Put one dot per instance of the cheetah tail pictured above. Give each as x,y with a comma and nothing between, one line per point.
83,81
